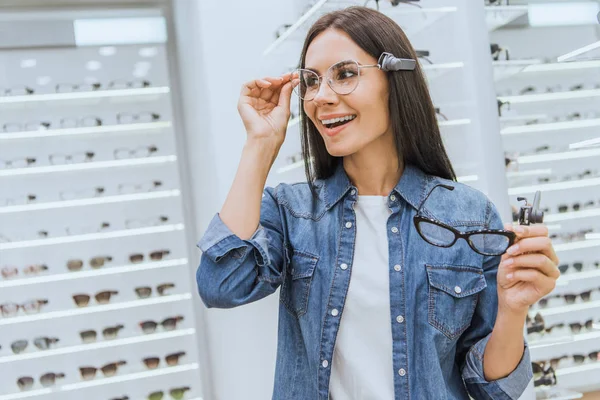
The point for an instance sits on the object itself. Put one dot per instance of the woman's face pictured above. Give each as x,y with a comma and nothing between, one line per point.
368,102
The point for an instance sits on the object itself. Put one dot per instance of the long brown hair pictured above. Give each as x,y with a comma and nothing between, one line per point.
413,118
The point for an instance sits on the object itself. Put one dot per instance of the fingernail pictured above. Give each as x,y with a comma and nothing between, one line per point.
509,276
513,249
520,229
508,261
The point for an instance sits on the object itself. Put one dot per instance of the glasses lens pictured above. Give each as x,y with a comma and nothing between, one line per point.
177,393
104,297
563,268
43,343
158,255
136,258
143,292
49,379
156,395
343,77
578,266
162,288
18,346
570,298
575,328
74,265
88,336
111,332
593,356
489,243
9,309
151,362
148,326
436,234
97,262
579,359
109,369
586,296
87,372
308,85
25,382
81,300
173,359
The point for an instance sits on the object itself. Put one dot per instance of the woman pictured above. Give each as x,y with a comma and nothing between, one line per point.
370,309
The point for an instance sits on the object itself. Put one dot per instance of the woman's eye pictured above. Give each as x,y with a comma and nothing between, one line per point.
346,74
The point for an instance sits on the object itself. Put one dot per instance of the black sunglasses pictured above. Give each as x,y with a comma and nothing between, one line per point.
487,242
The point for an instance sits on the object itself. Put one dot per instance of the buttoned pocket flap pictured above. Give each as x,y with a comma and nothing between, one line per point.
303,265
457,281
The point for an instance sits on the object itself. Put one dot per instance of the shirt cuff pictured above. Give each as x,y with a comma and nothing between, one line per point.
219,241
510,387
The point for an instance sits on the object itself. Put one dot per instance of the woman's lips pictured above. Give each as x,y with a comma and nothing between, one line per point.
334,131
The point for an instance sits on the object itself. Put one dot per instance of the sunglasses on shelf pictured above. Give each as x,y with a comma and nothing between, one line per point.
46,380
536,325
138,152
82,193
543,376
29,307
171,360
175,393
74,158
149,186
18,200
135,223
42,343
108,333
144,292
157,255
95,262
22,162
17,91
82,300
108,370
131,118
34,269
168,324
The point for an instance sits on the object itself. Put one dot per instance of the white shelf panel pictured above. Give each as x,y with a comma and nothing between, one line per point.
572,215
150,127
558,96
589,52
91,236
499,16
551,127
507,69
105,344
87,166
582,244
454,122
97,94
122,269
567,155
55,205
585,143
53,315
435,71
548,187
583,377
411,19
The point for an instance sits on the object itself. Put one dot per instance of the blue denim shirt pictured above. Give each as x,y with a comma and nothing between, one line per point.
447,296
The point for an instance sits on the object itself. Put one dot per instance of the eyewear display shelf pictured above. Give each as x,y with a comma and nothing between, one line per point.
95,295
548,115
435,29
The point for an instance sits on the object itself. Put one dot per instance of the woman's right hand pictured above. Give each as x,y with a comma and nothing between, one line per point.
264,106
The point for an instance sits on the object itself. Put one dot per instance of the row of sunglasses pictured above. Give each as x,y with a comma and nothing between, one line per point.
91,335
81,299
175,393
90,372
77,264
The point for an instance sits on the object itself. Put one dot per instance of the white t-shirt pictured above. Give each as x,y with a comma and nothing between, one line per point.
362,365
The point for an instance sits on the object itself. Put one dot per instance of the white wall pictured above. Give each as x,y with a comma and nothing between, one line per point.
219,46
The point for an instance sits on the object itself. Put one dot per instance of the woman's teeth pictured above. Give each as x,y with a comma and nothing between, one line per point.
337,121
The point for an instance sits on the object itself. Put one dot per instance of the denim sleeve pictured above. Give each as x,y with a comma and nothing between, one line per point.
233,271
472,343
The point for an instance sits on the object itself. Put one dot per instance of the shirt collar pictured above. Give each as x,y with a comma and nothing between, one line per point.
413,186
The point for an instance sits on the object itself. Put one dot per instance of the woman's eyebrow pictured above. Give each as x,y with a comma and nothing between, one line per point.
313,70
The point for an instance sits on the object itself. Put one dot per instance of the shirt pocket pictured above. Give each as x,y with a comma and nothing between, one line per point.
453,296
296,285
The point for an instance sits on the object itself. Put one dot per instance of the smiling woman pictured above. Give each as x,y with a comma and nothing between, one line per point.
372,305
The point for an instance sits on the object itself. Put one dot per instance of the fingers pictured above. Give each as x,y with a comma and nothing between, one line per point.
543,283
524,231
539,244
535,261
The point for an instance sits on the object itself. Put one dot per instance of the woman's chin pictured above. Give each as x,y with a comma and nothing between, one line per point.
339,149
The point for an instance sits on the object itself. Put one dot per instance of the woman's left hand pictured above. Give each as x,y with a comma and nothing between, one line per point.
528,270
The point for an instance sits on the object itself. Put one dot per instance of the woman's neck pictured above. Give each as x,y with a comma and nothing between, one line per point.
374,170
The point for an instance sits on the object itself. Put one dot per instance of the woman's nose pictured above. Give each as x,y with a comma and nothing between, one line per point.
325,95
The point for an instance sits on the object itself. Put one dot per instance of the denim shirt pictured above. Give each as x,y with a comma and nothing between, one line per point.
447,297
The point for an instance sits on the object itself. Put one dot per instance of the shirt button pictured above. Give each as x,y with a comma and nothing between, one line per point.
393,198
398,267
400,319
348,224
394,229
325,364
457,289
344,266
353,192
334,312
401,372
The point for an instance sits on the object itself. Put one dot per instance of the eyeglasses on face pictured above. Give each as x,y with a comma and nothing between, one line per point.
168,324
42,343
487,242
175,393
95,262
171,360
82,300
29,307
108,370
46,380
108,333
144,292
342,78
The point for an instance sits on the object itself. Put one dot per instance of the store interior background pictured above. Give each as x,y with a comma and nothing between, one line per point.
215,46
